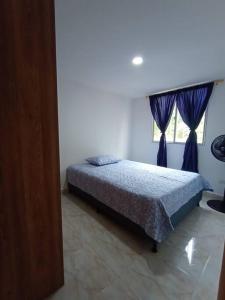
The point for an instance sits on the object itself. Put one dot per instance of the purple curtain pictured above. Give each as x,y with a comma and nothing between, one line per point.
192,103
162,108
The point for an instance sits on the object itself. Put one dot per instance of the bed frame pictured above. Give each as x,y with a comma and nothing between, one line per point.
101,207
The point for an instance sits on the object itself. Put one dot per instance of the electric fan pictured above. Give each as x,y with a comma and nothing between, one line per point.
218,150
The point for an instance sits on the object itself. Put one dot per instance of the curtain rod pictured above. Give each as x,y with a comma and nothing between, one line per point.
218,81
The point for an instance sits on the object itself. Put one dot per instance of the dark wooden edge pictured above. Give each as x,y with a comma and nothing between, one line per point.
102,208
221,292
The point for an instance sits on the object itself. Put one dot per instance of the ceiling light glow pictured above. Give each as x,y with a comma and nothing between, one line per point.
137,60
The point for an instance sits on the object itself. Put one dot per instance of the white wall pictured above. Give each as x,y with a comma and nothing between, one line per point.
91,122
91,49
144,150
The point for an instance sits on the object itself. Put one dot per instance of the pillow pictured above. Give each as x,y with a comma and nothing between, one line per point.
102,160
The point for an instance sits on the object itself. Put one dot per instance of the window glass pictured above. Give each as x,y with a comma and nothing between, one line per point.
177,130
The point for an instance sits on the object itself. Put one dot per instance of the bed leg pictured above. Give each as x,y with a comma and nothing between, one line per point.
155,247
69,188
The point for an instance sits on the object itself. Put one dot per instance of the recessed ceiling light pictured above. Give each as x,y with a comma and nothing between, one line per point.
137,60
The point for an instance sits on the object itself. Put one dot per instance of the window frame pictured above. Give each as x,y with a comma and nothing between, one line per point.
175,128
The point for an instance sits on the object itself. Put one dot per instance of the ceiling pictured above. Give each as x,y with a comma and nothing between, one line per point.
182,42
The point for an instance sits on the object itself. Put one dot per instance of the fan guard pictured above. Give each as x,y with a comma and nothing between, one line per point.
218,150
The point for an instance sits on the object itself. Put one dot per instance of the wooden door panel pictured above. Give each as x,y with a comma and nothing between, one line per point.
31,263
221,293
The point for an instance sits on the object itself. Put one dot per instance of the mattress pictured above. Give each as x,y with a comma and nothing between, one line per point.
146,194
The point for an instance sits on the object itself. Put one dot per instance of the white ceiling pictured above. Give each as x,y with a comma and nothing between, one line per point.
181,41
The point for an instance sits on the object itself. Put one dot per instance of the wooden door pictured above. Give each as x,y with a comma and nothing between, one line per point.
221,294
31,259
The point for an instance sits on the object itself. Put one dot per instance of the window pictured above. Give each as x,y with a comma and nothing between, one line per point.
177,131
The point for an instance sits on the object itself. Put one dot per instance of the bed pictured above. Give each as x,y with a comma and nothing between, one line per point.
154,198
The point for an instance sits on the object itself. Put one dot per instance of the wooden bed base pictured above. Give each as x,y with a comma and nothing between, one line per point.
102,208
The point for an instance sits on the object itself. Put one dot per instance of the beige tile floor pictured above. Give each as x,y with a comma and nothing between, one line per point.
104,260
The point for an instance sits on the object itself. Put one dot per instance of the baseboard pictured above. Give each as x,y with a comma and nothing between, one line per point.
211,194
64,190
